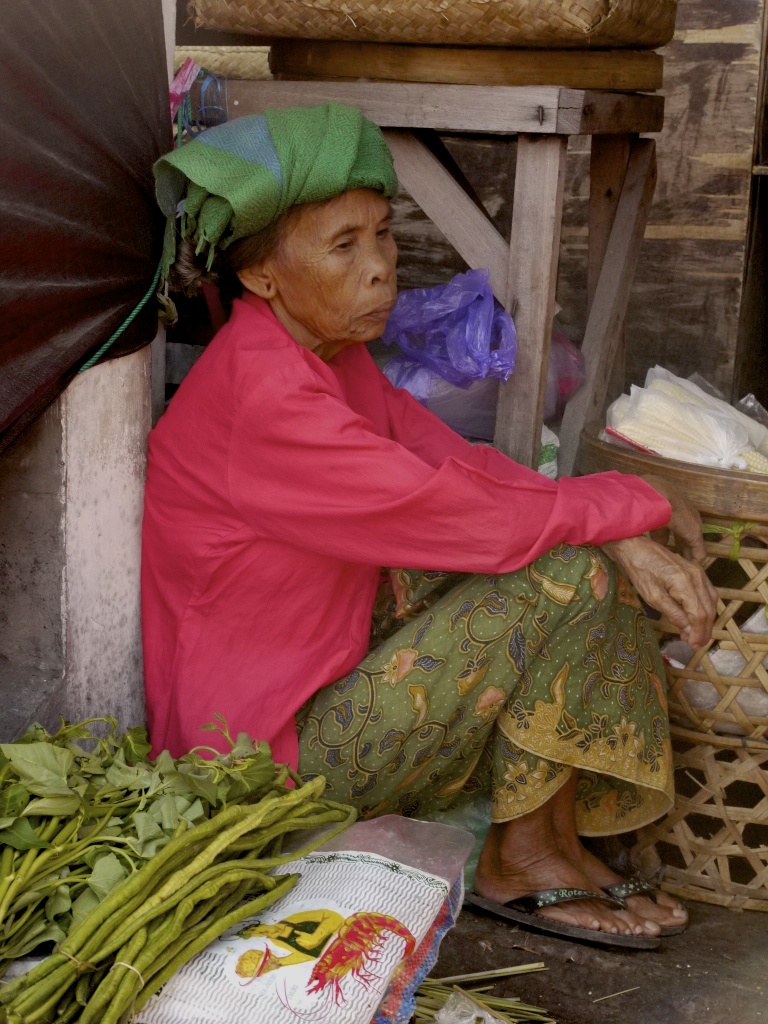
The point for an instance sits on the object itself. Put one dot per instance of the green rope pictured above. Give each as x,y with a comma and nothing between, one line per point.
737,532
126,323
152,288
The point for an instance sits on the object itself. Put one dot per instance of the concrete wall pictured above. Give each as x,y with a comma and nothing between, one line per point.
106,416
71,493
31,573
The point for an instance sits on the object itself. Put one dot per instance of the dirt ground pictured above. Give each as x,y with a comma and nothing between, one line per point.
714,973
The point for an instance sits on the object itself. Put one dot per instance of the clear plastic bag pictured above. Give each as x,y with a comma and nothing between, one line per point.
566,373
702,695
456,329
460,1009
750,406
471,815
675,418
470,410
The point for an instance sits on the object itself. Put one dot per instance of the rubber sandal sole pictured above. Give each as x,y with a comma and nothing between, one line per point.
537,923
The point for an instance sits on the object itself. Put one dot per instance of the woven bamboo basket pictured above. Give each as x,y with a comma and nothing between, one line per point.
247,62
643,24
715,841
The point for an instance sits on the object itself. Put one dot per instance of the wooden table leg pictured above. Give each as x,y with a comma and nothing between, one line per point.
608,168
609,308
534,249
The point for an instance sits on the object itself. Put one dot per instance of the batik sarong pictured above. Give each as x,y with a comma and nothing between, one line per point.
502,685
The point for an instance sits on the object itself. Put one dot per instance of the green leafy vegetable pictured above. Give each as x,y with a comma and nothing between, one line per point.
156,862
84,809
21,836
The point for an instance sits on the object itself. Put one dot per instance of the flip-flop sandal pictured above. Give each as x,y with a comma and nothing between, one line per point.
639,887
523,912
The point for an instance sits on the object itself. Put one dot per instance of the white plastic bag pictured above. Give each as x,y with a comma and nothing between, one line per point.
756,431
327,950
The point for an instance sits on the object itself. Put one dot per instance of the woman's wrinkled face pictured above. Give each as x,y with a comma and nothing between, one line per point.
332,281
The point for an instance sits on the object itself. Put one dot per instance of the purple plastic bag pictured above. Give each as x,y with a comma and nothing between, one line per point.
456,329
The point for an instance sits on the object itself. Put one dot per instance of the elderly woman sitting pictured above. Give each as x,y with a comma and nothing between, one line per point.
287,472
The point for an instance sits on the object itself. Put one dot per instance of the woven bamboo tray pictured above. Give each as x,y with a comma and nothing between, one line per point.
644,24
715,842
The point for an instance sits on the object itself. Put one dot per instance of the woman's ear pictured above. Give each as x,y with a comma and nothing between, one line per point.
260,280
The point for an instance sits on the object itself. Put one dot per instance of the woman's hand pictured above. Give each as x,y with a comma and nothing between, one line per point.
678,589
685,523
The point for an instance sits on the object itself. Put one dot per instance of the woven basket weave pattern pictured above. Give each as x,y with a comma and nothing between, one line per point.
715,841
728,716
245,62
521,23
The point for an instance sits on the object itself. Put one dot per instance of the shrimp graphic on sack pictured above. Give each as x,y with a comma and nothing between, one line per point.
342,948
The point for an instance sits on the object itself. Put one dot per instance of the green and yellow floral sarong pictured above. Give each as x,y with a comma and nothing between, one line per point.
504,685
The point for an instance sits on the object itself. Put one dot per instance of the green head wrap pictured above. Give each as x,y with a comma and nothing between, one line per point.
235,179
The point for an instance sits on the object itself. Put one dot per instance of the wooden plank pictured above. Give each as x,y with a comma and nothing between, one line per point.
621,70
412,105
426,257
463,108
606,320
466,227
608,167
590,113
534,248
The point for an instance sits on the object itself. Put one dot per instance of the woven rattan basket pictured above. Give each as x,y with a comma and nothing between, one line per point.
715,842
642,24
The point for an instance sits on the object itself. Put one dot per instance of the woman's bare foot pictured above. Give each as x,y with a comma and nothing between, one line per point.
521,857
665,913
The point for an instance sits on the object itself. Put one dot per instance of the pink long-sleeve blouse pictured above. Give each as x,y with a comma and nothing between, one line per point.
277,487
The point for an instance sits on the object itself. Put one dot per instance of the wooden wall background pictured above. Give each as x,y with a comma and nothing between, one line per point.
699,300
687,299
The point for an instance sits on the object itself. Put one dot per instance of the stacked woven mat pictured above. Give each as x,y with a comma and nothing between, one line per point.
248,62
556,24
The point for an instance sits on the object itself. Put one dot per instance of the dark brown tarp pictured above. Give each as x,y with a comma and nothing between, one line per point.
85,115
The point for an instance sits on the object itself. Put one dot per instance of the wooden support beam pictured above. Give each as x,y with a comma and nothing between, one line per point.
434,143
623,70
540,110
608,168
606,320
534,250
608,113
450,209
